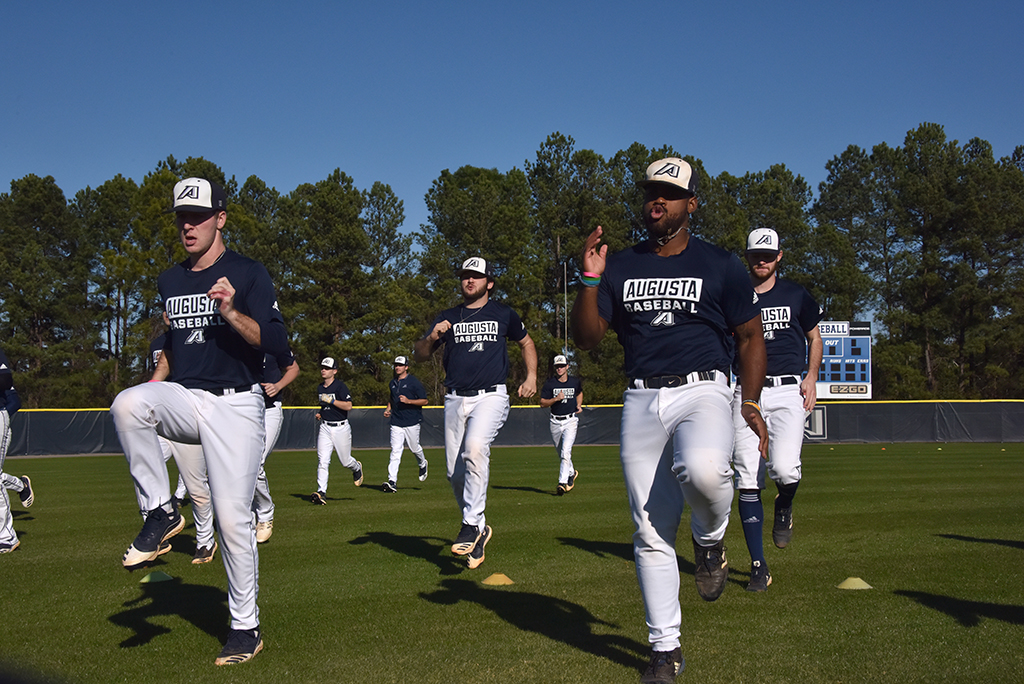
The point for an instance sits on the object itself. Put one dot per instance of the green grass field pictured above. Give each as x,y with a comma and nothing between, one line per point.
365,589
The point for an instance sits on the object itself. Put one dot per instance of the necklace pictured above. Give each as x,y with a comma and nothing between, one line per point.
462,314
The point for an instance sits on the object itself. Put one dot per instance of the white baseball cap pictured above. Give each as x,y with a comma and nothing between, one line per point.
763,240
561,361
671,171
328,362
199,194
401,361
477,265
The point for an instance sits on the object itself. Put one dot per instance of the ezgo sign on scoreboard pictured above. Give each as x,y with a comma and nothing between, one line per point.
845,371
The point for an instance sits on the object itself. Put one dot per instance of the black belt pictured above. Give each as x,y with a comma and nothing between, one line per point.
472,393
781,380
335,423
557,417
222,391
661,381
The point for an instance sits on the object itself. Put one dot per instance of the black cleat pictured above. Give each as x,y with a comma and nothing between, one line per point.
664,667
158,528
712,570
204,554
760,578
26,494
319,498
423,471
782,528
389,487
476,556
242,645
466,540
357,475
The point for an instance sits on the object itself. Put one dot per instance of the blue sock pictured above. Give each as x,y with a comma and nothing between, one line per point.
752,516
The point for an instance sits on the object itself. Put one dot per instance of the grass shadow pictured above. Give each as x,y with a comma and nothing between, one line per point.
203,606
967,613
623,550
1013,544
529,490
552,617
305,497
416,547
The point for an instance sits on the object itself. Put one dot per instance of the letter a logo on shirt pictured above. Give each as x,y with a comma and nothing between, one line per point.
196,337
479,346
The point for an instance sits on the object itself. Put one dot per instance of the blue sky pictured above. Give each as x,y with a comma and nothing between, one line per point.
398,92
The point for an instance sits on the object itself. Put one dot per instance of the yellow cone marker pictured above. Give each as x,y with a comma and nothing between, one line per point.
498,579
155,576
853,583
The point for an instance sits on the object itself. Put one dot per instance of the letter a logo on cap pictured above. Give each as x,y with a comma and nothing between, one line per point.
189,192
669,169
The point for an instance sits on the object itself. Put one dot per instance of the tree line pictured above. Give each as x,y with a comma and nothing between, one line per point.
923,239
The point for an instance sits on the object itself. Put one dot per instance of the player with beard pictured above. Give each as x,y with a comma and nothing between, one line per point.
789,317
476,400
674,301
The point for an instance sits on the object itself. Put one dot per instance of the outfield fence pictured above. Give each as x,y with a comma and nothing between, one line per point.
91,431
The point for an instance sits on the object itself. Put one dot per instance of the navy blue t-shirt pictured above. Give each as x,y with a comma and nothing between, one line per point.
206,352
475,351
570,389
6,372
788,313
673,315
272,367
406,415
335,391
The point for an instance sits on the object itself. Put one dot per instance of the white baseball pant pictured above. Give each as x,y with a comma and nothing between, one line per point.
262,504
7,534
783,409
675,447
563,434
231,431
400,436
470,425
192,477
337,437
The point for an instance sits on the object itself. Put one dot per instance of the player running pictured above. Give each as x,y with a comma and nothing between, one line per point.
476,399
335,431
223,319
563,394
673,300
789,318
407,398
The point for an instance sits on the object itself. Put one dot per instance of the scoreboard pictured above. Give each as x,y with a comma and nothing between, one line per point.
845,371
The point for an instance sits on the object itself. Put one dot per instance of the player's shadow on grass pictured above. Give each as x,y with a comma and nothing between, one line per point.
555,618
1013,544
203,606
967,613
329,499
623,550
531,490
416,547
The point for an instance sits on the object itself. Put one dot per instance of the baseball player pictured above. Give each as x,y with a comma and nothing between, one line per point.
335,432
278,373
789,319
476,400
563,394
673,301
10,402
405,409
224,318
